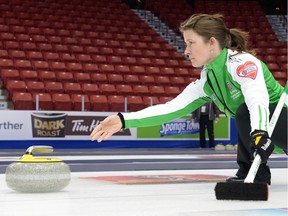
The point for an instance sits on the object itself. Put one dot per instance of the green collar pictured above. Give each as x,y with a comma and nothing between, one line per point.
219,60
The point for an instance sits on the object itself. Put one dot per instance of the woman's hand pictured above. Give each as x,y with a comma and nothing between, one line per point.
106,128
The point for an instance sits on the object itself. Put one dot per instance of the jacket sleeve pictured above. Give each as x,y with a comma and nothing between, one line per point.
186,102
249,74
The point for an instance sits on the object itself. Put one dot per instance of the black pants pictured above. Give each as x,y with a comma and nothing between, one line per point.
279,138
203,123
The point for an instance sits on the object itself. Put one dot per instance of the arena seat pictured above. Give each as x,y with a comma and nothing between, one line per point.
77,102
81,77
54,87
172,91
51,56
135,103
177,80
99,103
141,90
9,74
63,76
131,79
162,80
15,86
72,88
150,99
157,90
35,86
47,75
116,103
107,89
61,101
34,55
124,89
115,78
22,101
147,80
44,101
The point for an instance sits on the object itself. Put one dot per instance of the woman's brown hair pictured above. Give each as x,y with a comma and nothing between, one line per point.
207,26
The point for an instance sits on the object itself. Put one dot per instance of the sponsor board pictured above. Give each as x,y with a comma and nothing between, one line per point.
27,125
184,128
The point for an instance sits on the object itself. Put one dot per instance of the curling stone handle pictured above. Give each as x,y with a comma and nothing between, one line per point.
39,149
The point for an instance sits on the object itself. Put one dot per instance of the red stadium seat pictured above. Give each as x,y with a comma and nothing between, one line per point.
167,71
22,64
157,90
54,87
162,80
34,55
124,89
151,70
29,75
72,88
80,102
122,69
61,101
57,66
107,89
40,65
141,90
35,86
99,58
99,103
135,103
150,100
165,99
172,91
135,69
51,56
83,58
116,103
114,78
177,81
147,79
131,79
90,68
98,78
6,63
44,101
273,67
90,88
17,54
22,101
144,61
15,86
72,66
47,75
63,76
4,53
82,77
114,59
9,74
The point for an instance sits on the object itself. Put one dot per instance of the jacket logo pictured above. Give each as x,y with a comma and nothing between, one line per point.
248,69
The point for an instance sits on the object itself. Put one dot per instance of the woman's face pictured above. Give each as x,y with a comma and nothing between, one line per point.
199,52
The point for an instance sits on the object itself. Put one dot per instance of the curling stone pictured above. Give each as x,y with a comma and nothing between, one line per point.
34,175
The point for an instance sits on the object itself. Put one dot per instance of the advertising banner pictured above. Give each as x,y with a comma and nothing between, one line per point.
184,128
29,125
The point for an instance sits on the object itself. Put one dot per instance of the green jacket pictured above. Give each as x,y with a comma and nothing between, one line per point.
229,80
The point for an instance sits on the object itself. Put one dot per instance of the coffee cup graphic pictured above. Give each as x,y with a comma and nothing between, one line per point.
50,125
